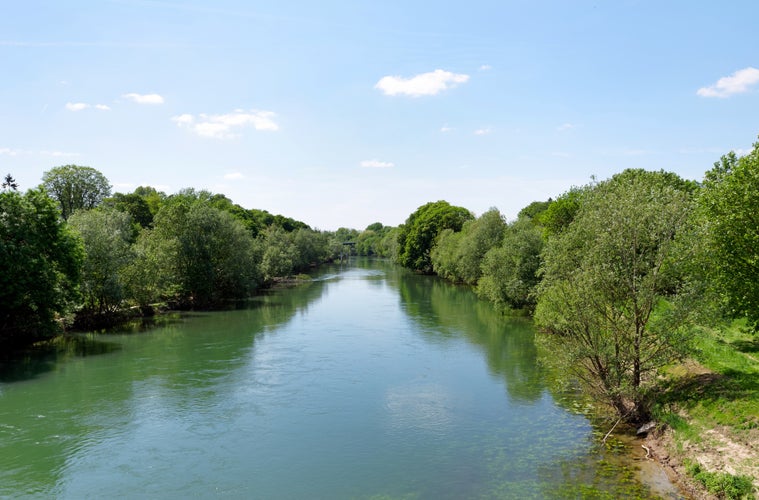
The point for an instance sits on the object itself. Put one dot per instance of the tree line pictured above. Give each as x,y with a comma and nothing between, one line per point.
73,253
617,271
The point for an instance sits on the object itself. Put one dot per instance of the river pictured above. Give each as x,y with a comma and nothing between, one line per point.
369,382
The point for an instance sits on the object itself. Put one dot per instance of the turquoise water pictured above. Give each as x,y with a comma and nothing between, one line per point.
368,382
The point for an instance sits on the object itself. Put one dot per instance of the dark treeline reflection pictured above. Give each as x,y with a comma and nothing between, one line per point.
446,311
164,375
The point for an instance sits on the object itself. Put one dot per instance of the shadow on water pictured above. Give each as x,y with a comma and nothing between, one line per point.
34,361
445,312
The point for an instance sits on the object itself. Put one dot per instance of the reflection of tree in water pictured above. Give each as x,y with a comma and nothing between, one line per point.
445,311
160,369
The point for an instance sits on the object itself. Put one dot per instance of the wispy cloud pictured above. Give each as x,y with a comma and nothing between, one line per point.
227,126
565,126
144,98
376,164
739,82
483,131
233,176
485,67
445,129
79,106
431,83
76,106
16,152
58,154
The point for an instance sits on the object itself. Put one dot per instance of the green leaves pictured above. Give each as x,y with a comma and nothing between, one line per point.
76,188
40,261
618,264
417,236
729,205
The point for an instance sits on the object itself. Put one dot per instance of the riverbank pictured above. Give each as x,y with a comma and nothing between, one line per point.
708,433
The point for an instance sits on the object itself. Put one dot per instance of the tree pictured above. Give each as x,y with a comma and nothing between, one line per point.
510,270
40,261
134,205
457,256
106,234
417,236
614,287
216,259
10,183
76,188
729,203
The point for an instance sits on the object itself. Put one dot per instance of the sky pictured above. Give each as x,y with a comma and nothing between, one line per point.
346,113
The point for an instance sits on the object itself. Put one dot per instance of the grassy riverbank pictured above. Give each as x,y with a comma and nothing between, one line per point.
710,406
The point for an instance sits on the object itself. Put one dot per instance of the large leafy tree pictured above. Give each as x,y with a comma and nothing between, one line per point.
75,188
457,256
40,261
106,234
510,270
614,287
417,236
215,258
730,204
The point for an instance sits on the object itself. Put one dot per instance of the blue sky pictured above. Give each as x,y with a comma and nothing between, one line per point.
344,113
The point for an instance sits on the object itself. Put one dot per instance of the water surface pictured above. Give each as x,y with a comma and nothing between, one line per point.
369,382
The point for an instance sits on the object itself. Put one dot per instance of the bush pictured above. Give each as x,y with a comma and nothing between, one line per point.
722,484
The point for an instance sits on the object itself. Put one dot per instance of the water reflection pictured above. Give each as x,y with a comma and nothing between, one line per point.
445,312
371,382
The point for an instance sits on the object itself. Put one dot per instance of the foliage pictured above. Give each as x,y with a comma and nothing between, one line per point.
510,270
151,275
613,284
534,209
730,205
457,256
106,234
76,188
417,236
214,256
40,259
279,258
722,484
374,241
561,212
10,183
135,205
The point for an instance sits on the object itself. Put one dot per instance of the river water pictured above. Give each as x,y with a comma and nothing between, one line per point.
367,383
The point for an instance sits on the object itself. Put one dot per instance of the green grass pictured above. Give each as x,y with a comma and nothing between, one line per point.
721,484
726,395
720,391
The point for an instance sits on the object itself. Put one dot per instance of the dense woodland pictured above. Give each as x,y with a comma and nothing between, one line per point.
619,269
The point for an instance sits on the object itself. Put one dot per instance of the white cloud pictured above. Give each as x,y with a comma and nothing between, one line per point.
423,84
565,126
8,151
485,67
58,154
79,106
234,176
225,126
376,164
483,131
561,154
737,83
144,98
76,106
445,129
